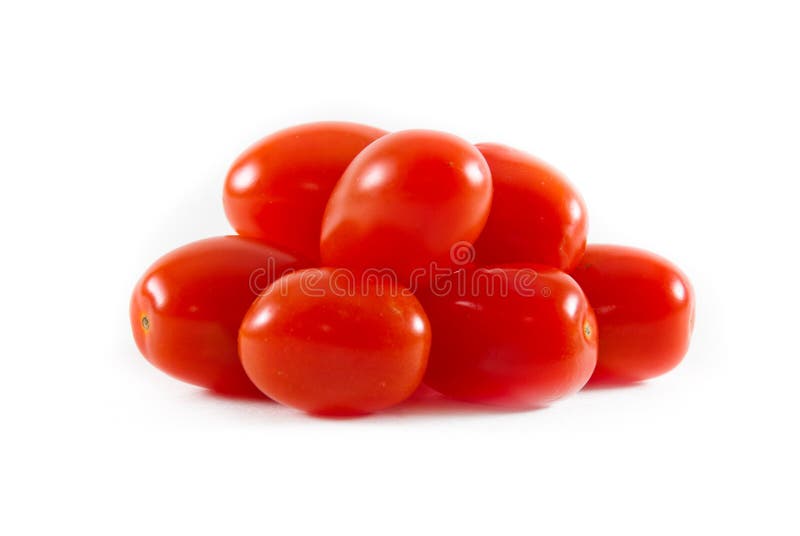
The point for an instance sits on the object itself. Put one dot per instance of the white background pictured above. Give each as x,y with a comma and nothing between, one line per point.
679,122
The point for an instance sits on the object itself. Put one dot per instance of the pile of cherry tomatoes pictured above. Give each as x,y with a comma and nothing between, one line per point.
370,263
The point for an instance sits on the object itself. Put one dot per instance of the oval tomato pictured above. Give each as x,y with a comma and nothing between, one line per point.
277,189
405,201
520,336
331,346
645,311
186,309
537,215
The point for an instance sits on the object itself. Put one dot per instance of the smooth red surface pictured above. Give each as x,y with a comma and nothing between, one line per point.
405,201
645,311
515,349
309,346
186,309
277,189
537,215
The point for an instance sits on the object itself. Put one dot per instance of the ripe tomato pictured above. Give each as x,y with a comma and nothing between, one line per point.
405,201
645,311
332,346
186,309
519,336
277,189
537,215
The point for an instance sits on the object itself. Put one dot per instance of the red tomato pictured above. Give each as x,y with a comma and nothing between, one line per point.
537,215
405,201
645,311
519,336
277,189
328,346
186,310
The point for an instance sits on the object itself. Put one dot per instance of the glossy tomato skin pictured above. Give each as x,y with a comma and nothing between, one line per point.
310,345
186,309
537,215
523,347
405,201
645,311
278,188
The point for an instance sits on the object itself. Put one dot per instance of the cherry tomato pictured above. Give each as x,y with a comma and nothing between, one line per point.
186,309
645,311
277,189
519,336
405,201
320,342
537,215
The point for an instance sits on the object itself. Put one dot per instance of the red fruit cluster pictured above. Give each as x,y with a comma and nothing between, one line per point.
368,263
